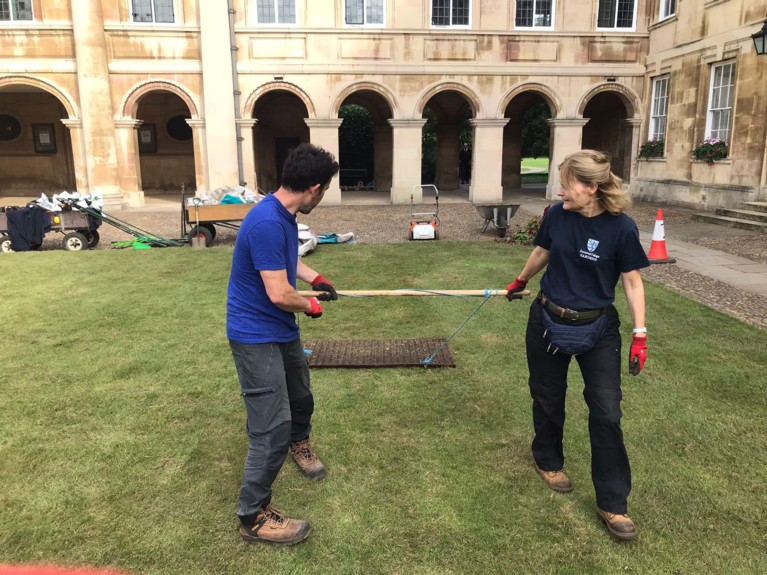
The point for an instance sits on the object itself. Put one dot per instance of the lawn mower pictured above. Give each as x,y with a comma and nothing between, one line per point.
423,225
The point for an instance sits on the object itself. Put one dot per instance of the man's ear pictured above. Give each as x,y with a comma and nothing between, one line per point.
315,189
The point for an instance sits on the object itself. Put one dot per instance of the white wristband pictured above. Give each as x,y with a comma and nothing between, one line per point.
639,330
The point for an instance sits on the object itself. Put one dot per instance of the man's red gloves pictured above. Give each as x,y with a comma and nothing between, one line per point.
321,284
316,310
637,354
513,289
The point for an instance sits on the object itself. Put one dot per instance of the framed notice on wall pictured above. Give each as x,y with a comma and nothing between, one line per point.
147,139
45,138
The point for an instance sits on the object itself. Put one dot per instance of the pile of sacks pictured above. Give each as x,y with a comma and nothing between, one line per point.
66,200
226,195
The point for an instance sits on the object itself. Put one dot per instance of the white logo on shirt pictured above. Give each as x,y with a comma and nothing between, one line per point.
589,255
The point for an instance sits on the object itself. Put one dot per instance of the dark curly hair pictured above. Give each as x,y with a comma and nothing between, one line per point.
306,166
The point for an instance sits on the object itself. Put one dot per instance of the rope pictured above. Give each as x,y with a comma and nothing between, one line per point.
430,359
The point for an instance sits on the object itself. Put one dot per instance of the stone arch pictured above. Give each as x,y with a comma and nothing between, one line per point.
629,98
360,86
465,91
66,100
131,101
250,103
555,104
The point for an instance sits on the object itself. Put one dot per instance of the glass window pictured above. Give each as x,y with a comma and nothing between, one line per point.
160,11
276,11
450,12
364,12
534,13
667,8
15,10
10,128
720,101
659,108
616,13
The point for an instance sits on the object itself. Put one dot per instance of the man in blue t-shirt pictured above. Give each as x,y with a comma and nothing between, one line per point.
263,334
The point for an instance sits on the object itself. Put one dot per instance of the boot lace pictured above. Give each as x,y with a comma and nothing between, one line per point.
304,451
275,515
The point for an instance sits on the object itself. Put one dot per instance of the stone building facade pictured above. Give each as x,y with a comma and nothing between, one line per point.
128,97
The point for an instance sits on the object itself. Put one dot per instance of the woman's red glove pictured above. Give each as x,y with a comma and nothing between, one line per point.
637,354
512,289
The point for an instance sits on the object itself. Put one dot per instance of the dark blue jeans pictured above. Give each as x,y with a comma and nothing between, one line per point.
274,381
601,370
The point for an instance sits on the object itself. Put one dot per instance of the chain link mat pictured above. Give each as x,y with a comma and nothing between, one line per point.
377,353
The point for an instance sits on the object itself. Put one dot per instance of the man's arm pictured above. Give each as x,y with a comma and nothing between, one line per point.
282,294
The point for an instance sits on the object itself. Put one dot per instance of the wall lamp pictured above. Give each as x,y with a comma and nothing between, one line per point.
760,40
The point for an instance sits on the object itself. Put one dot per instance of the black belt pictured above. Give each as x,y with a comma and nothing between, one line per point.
566,313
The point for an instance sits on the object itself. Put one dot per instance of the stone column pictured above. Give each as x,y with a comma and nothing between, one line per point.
324,133
96,102
566,135
448,146
75,127
631,149
128,161
382,158
512,156
248,152
406,168
218,95
486,165
200,146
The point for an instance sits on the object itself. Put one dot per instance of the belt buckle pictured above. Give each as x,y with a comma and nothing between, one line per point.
573,314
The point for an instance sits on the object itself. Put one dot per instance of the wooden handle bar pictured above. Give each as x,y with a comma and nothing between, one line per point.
415,292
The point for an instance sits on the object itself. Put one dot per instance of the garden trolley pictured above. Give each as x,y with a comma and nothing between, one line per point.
80,233
200,220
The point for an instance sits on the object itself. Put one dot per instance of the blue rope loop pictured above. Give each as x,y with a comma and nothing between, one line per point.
488,294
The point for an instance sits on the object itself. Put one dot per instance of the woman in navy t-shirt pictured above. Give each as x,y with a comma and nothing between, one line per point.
588,244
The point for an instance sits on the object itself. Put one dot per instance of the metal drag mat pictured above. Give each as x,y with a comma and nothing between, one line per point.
378,353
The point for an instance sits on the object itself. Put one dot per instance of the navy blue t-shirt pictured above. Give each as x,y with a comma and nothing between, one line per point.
587,256
267,240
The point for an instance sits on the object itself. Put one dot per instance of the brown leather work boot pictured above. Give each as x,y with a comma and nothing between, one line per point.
557,480
620,526
271,526
307,461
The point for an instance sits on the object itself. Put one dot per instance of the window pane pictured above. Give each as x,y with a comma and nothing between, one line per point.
461,12
606,14
265,12
5,9
163,11
524,16
625,14
286,11
142,11
22,9
440,13
354,12
375,11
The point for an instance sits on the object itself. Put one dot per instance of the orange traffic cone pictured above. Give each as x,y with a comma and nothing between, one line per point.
658,253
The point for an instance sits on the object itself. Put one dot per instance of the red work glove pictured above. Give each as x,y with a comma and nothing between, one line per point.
316,310
637,354
321,284
512,289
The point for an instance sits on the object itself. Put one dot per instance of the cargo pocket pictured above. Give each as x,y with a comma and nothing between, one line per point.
265,408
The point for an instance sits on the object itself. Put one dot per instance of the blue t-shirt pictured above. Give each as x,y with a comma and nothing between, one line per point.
587,256
267,240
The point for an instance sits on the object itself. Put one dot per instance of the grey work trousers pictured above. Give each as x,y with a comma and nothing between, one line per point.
274,381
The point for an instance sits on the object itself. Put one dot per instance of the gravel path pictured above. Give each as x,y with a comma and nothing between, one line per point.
460,221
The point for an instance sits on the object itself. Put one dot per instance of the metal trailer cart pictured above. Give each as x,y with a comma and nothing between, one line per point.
199,221
499,214
75,226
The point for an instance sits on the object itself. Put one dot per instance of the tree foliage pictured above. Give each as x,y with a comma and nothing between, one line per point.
355,139
535,131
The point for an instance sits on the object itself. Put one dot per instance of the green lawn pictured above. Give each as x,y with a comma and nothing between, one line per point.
535,163
123,431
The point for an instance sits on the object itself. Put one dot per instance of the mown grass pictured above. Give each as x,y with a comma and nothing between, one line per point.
122,427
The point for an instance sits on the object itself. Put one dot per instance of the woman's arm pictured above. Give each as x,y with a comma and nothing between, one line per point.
634,288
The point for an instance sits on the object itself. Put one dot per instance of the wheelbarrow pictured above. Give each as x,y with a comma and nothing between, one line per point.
498,214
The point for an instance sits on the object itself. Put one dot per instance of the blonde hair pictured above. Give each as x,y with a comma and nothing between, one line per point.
591,167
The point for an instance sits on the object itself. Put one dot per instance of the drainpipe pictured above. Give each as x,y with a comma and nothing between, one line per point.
236,84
